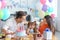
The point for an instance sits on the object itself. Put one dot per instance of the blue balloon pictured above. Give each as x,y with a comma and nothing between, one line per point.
36,13
50,10
6,14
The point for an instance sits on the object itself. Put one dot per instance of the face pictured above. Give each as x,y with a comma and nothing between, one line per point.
44,20
21,19
33,25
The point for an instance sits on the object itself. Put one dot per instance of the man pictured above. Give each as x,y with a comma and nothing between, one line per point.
11,24
1,25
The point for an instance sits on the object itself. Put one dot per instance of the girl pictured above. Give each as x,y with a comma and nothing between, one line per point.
20,32
47,23
32,29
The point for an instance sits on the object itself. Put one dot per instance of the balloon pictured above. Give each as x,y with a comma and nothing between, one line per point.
6,14
53,15
50,0
0,0
1,14
3,4
44,8
43,1
46,13
0,4
41,14
36,13
38,5
50,9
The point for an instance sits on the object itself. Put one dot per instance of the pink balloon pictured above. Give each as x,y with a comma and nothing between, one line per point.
43,1
3,4
53,15
0,5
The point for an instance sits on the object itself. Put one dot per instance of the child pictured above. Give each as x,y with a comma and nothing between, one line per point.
21,32
47,23
32,29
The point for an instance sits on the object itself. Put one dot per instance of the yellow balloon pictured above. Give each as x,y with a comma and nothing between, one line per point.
41,14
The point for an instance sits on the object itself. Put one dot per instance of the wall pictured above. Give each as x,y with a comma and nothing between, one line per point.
57,20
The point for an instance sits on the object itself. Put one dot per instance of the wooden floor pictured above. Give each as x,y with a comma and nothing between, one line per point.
39,38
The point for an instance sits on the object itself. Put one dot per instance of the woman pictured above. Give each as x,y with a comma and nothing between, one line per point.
47,23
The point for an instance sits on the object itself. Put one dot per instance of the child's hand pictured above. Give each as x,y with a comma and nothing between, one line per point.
11,33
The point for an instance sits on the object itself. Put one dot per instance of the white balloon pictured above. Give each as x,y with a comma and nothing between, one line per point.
38,5
0,4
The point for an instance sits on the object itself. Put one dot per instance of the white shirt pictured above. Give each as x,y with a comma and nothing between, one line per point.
10,25
22,31
1,25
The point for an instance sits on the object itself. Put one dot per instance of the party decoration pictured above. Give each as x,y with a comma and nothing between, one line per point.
0,4
3,4
50,0
53,15
38,5
50,10
1,14
46,13
6,14
36,13
44,8
0,0
43,1
41,14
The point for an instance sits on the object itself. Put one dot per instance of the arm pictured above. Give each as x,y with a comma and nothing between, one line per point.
27,31
53,30
6,27
38,32
6,32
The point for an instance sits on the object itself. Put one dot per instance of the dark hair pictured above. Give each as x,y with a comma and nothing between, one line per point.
29,23
49,21
28,18
19,14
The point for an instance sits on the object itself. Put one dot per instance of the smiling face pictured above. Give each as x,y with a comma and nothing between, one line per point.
21,19
20,16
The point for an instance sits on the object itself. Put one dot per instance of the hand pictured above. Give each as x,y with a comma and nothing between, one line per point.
12,33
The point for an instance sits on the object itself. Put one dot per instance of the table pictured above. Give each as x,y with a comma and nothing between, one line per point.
40,38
